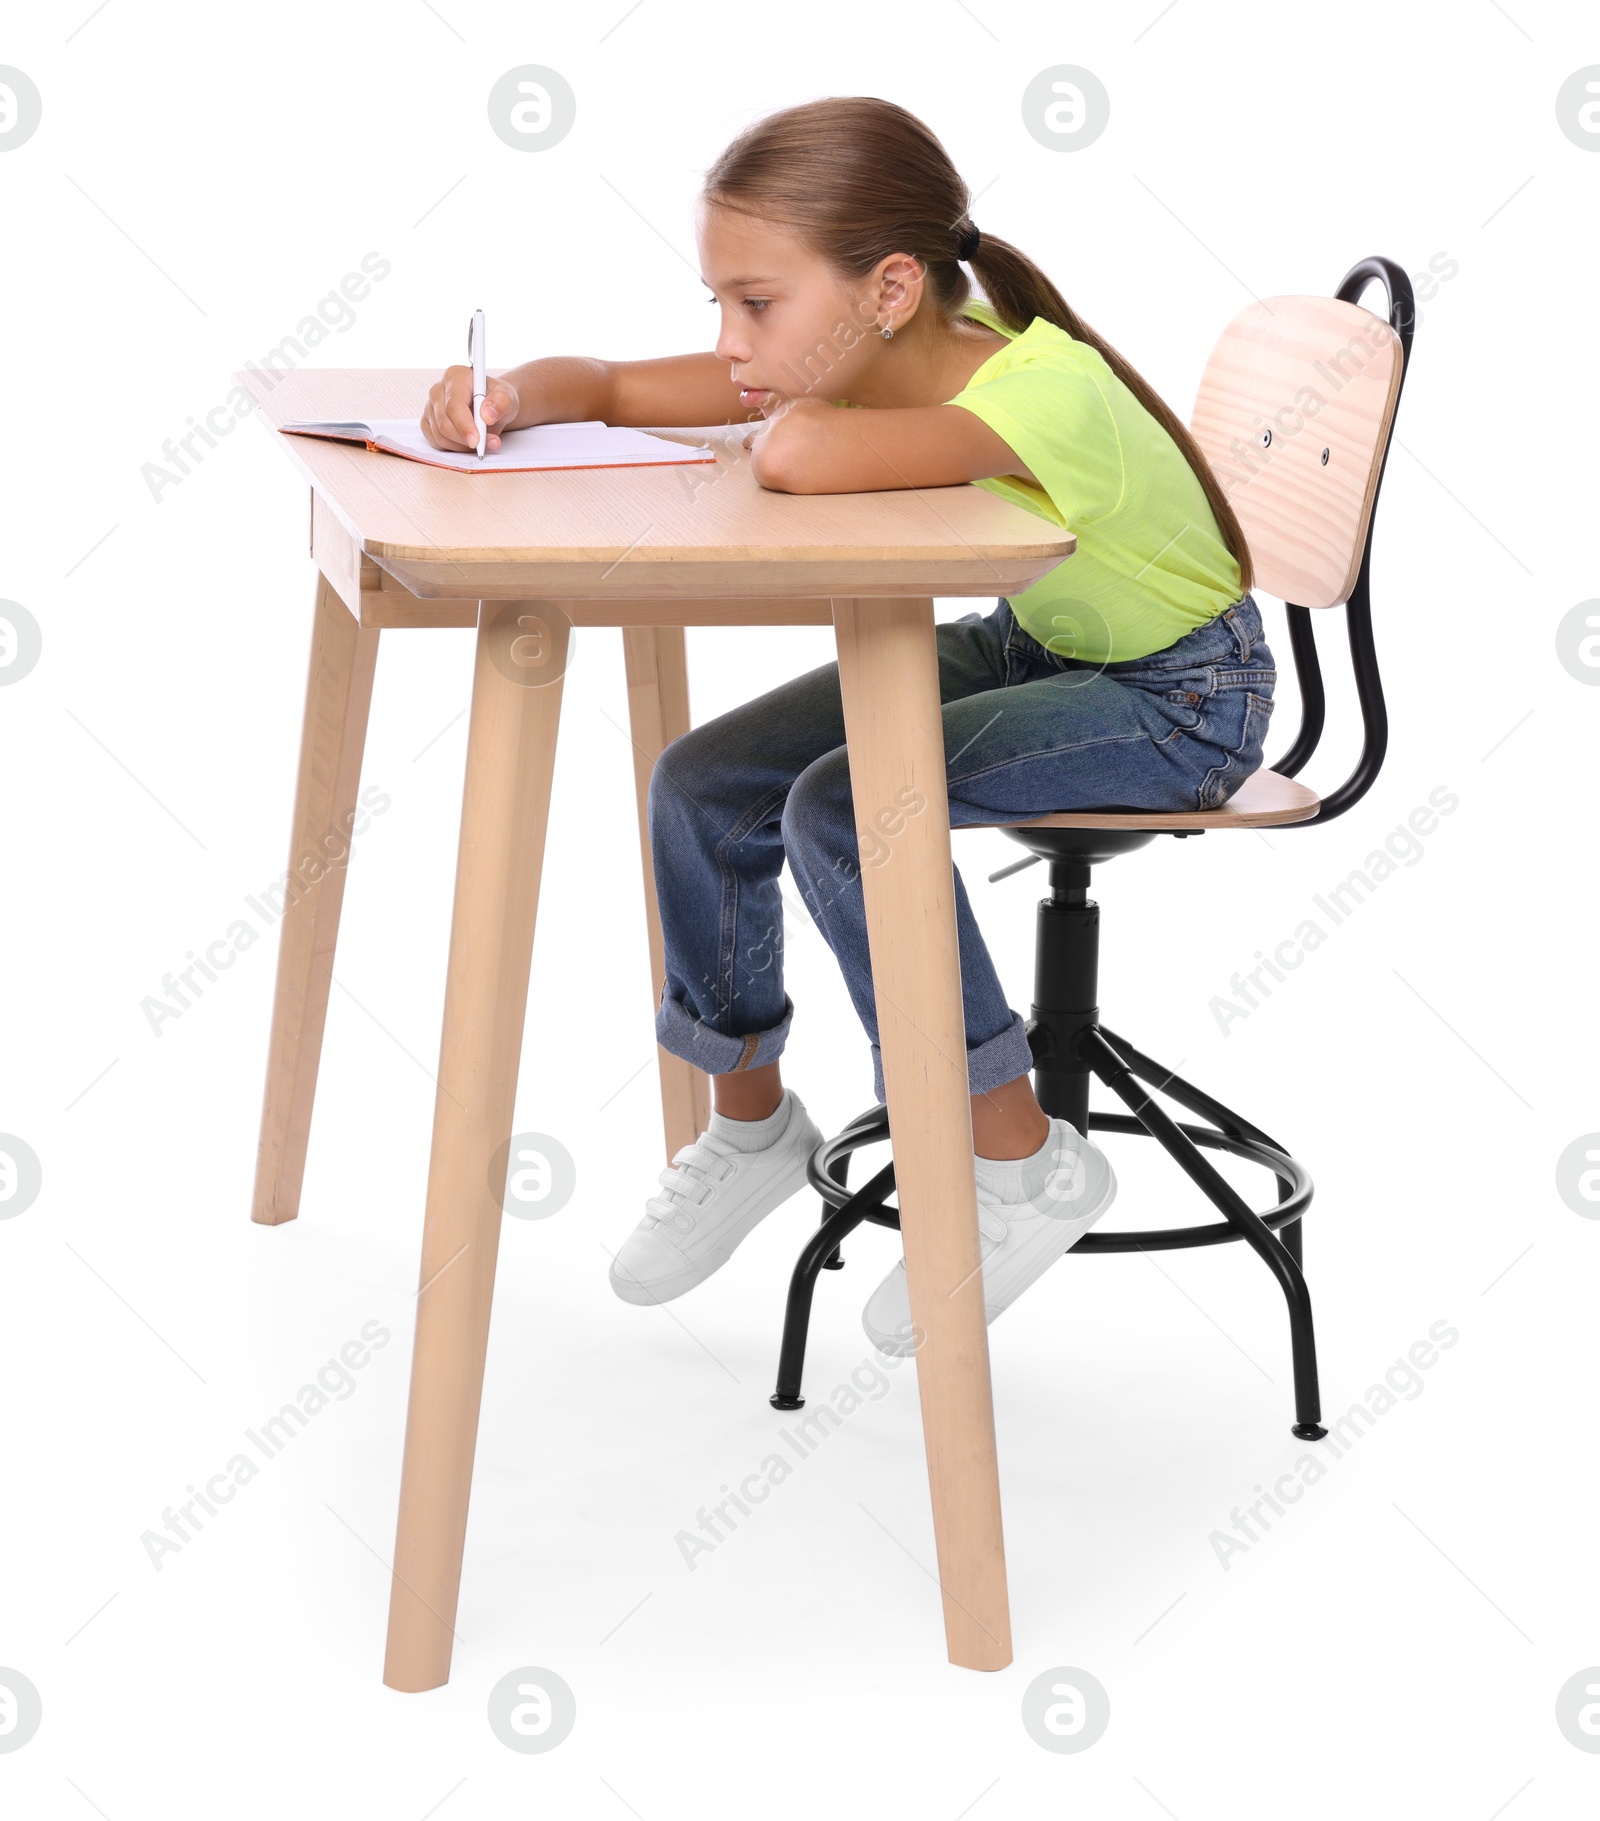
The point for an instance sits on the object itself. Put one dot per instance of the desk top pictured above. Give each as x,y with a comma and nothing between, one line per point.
643,533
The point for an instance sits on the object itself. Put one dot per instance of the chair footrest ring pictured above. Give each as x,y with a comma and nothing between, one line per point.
873,1128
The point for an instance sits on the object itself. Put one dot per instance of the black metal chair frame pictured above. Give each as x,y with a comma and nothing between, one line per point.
1070,1045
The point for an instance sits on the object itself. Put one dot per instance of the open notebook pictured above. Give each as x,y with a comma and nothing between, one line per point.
581,445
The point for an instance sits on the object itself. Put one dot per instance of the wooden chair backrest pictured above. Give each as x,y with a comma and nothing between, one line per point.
1293,413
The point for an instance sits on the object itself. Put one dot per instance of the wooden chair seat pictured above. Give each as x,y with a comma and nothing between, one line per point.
1265,799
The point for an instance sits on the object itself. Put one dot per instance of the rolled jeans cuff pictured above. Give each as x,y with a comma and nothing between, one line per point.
683,1034
990,1064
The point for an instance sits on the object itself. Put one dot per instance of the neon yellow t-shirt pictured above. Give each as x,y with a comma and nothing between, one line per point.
1150,564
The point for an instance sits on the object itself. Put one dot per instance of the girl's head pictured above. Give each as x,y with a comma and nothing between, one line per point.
848,216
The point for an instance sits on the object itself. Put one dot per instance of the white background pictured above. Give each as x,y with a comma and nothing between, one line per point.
202,177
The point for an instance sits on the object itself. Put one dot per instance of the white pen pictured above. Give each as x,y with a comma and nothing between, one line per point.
480,377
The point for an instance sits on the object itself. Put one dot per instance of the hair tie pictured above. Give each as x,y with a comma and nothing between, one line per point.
969,243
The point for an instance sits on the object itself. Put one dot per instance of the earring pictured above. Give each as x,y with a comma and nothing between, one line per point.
888,333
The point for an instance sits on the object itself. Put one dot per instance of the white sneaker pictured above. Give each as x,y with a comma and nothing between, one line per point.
712,1196
1017,1241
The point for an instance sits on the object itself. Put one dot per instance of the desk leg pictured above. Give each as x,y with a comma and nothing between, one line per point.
511,744
658,711
889,679
338,696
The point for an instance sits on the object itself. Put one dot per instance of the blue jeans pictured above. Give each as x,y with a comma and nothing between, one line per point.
1026,733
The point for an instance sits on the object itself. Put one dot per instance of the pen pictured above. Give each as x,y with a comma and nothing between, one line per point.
480,379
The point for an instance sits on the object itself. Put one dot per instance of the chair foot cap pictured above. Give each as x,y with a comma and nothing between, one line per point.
779,1402
1307,1432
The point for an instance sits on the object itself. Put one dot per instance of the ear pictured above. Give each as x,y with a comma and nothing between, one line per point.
899,284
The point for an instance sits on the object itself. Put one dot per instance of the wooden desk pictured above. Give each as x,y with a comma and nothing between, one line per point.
524,558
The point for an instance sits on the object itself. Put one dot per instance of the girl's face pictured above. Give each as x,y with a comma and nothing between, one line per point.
790,327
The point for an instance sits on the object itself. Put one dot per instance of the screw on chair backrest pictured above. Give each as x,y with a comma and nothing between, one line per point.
1293,413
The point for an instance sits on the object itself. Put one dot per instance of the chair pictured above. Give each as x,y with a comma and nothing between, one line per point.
1304,483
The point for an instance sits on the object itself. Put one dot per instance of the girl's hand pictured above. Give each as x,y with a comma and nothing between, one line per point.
447,417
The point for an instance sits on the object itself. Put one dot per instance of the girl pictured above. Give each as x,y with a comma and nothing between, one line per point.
1134,675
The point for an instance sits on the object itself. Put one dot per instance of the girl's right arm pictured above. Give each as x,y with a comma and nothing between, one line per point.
677,390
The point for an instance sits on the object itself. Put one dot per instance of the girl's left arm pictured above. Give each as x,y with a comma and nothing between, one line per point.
813,447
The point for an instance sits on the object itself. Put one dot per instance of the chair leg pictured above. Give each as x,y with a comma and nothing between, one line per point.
797,1315
1109,1064
1291,1237
1187,1095
841,1171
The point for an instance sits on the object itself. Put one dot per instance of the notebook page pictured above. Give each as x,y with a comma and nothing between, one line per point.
577,445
